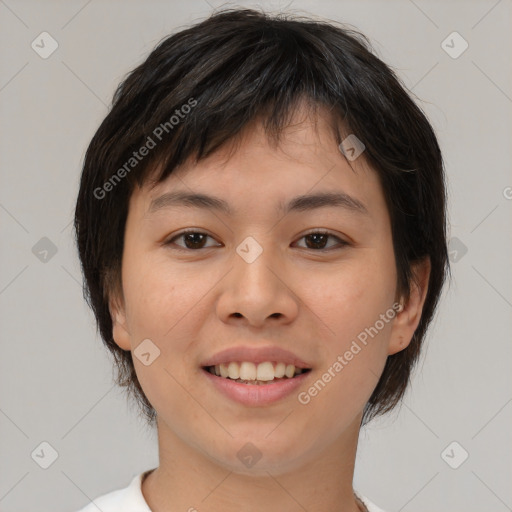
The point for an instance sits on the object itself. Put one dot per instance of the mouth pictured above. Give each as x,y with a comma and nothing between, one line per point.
261,374
256,385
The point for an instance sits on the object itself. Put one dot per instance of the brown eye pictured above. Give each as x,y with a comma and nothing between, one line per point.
317,240
192,240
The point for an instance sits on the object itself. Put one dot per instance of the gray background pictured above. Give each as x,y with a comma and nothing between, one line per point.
55,376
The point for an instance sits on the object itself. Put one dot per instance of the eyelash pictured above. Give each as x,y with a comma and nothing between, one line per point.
341,244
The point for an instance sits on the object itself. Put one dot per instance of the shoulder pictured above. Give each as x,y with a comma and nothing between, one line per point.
127,499
110,502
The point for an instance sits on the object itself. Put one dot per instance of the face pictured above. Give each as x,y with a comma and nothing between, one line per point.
314,278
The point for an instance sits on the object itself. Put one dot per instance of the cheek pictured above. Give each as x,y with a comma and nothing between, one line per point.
159,295
355,344
353,297
164,303
162,306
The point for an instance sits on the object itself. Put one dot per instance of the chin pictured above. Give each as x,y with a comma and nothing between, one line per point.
251,456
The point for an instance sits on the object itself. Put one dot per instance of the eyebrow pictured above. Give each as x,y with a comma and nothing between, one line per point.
301,203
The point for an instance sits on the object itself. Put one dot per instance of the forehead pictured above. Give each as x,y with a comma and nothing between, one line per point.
305,169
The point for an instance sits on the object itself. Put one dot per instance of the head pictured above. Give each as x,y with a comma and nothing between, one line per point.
253,109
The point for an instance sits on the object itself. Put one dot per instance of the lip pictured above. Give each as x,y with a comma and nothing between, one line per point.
256,355
254,395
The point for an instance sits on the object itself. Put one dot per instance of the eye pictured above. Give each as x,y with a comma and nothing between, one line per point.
317,240
192,239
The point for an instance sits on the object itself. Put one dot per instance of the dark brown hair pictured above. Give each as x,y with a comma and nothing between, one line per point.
200,87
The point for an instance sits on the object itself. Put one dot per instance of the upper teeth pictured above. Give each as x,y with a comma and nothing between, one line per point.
250,371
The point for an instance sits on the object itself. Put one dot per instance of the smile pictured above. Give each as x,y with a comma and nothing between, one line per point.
246,384
251,373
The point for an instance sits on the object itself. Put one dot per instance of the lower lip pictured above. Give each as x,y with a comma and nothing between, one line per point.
254,394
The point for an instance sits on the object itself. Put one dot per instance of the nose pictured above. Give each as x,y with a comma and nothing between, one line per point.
258,290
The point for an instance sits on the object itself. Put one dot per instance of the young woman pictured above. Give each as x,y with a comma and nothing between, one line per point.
261,227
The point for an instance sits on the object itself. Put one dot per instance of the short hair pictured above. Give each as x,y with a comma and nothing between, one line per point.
200,87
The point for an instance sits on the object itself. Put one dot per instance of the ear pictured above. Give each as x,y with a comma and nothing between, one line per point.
407,320
120,331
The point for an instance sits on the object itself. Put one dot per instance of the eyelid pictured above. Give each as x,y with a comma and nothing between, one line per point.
169,240
320,231
341,242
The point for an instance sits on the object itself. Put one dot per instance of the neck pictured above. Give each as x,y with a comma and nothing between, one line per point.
188,479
